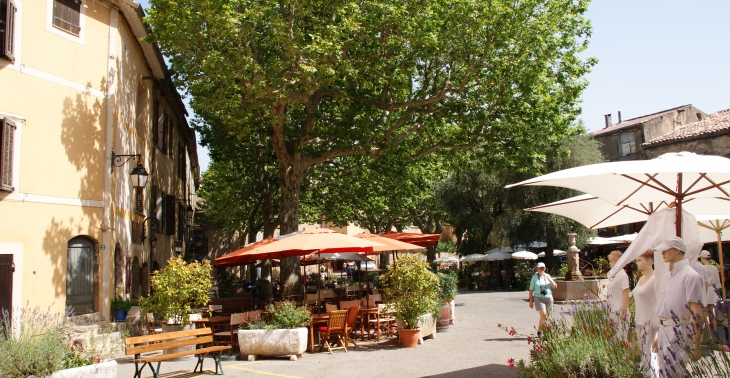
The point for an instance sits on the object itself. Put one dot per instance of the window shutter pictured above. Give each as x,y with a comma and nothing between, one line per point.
67,15
9,37
170,216
160,214
153,201
6,155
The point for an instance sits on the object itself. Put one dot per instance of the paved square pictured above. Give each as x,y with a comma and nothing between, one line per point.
472,347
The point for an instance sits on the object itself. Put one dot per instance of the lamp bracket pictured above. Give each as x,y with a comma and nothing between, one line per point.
118,159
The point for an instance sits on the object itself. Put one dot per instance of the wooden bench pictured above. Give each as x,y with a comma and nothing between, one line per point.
201,338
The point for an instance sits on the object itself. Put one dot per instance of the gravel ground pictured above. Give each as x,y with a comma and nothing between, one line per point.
472,347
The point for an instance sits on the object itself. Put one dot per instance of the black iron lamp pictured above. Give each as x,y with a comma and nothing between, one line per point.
139,175
153,228
189,213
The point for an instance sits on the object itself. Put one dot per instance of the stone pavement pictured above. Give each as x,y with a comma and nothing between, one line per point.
472,347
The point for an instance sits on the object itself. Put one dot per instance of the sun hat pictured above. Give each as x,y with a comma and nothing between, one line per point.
672,242
705,253
540,265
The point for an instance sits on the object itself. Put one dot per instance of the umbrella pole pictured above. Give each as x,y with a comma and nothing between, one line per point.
678,201
722,264
319,268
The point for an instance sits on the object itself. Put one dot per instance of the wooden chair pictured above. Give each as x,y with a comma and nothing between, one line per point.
382,323
330,307
336,326
152,325
351,292
377,298
367,302
227,333
352,314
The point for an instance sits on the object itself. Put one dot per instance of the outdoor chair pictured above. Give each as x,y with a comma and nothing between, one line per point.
384,322
367,302
153,327
336,326
227,333
352,315
351,292
330,307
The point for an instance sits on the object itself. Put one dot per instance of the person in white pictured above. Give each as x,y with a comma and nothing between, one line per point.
644,295
713,286
617,293
679,309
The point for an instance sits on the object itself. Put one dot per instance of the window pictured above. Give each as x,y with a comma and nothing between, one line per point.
160,212
181,163
7,29
138,200
161,133
180,223
140,121
67,15
7,131
628,146
153,201
136,232
170,215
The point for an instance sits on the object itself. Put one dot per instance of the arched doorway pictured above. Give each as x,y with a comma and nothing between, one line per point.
118,271
80,275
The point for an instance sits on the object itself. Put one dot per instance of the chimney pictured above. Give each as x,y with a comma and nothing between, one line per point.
607,117
619,116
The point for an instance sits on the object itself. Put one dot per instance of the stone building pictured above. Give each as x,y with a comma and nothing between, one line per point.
624,140
80,86
710,136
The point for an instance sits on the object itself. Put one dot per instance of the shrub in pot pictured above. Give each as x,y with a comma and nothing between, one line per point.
448,282
121,306
414,290
283,332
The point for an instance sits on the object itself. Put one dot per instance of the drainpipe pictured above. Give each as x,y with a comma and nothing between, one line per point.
106,261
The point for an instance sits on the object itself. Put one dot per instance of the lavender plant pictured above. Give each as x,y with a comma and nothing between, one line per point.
581,342
715,357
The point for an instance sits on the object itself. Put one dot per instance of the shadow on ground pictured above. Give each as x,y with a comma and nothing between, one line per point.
492,370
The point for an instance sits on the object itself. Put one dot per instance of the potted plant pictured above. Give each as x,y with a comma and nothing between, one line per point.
177,289
413,289
120,306
448,282
283,332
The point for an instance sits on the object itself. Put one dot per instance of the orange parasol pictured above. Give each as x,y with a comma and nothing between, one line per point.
423,240
389,244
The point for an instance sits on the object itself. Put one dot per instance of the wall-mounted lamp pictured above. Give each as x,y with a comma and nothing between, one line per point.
189,213
153,228
139,175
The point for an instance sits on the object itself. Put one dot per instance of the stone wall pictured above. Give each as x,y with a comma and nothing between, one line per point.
716,145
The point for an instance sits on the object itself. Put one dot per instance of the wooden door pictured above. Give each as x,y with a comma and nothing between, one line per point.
80,275
7,268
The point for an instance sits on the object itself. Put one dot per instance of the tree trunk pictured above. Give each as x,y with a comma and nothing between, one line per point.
291,276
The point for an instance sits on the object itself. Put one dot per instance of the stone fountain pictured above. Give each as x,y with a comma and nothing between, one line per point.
574,286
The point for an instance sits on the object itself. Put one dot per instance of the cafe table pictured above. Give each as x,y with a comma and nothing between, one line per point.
367,313
211,322
316,318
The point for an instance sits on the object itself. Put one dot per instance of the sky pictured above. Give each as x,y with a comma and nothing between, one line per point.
652,55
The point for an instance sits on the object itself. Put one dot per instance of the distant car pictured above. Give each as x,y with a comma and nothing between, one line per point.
366,265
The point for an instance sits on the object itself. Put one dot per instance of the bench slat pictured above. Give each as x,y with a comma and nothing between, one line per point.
169,345
182,354
165,336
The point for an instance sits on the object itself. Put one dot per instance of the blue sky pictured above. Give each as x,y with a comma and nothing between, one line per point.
652,55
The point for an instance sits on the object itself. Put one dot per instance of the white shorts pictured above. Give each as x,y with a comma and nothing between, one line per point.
543,303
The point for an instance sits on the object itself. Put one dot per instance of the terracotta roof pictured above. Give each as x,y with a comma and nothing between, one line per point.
715,124
625,124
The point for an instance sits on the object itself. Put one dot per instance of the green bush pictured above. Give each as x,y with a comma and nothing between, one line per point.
448,281
228,283
523,274
413,289
178,288
119,303
563,270
284,316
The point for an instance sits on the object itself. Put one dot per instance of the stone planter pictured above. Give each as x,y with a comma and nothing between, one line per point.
106,369
275,342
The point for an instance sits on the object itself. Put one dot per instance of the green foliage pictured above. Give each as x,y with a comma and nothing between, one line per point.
582,345
600,264
119,303
374,278
523,274
448,281
412,288
228,283
446,247
178,288
284,316
563,270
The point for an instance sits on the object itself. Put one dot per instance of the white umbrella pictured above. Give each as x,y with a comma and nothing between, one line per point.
473,258
446,260
594,212
503,249
672,177
524,255
601,241
556,252
496,256
711,228
624,238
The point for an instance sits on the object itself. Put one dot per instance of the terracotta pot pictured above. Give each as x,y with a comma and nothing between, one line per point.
409,337
442,324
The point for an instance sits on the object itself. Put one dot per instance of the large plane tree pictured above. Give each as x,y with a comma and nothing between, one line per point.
328,79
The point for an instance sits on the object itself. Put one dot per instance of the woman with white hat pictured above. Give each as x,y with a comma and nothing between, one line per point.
541,294
713,285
